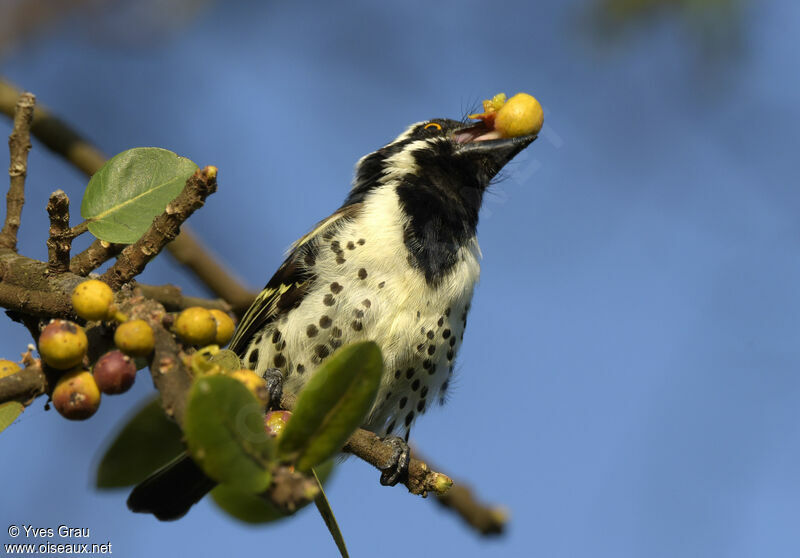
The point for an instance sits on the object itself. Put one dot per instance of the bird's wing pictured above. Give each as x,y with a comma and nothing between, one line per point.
293,279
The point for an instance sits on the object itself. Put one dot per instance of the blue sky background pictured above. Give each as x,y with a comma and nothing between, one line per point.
629,381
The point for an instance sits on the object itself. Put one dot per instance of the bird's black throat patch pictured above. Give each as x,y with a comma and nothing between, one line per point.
442,201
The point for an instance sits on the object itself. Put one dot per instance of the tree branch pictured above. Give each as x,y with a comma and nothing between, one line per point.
165,228
370,448
98,253
59,137
187,250
19,144
60,239
173,299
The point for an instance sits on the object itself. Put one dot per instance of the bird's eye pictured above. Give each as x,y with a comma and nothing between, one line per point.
434,126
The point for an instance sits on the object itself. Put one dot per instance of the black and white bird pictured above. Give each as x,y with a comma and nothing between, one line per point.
397,263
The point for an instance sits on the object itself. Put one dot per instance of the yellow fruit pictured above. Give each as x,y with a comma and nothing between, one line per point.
225,327
63,344
254,383
135,338
8,367
76,395
521,115
92,300
275,422
196,326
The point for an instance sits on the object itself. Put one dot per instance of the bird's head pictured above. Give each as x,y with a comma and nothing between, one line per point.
438,170
441,158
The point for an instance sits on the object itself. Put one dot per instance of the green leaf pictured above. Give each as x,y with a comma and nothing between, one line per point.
252,508
130,190
224,429
325,510
332,405
245,506
147,441
9,412
227,360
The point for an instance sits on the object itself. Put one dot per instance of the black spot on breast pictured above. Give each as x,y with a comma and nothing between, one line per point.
351,245
431,349
381,284
300,368
335,343
281,346
415,385
402,402
424,391
430,334
397,374
336,332
432,371
420,347
253,358
453,341
421,406
325,322
390,427
440,322
340,259
447,312
450,354
357,326
362,273
276,336
366,302
328,300
446,333
358,313
279,360
409,418
410,373
310,260
311,330
336,247
361,241
321,351
336,288
426,364
388,395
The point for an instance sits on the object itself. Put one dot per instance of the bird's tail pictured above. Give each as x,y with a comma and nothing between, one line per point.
170,491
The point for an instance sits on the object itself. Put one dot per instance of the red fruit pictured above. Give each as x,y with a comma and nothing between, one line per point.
114,372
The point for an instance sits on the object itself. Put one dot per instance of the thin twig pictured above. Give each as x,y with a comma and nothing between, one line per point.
24,386
19,144
55,134
98,253
60,241
173,298
165,228
187,250
486,519
370,448
79,229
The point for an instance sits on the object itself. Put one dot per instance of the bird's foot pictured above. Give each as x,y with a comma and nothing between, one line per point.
397,468
274,379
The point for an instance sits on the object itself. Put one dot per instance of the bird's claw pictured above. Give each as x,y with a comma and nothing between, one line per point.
397,468
274,379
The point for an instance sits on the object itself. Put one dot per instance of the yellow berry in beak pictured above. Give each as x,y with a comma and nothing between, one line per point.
522,115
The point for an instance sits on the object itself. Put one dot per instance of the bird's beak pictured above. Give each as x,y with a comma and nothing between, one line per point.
475,142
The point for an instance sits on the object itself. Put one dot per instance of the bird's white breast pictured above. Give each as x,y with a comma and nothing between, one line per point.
367,289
